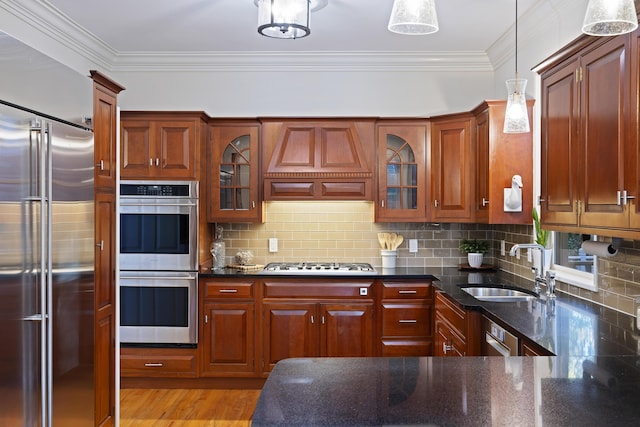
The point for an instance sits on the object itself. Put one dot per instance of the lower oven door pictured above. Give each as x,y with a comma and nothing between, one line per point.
158,307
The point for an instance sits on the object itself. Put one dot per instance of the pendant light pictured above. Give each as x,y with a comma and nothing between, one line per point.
284,19
610,17
413,17
516,116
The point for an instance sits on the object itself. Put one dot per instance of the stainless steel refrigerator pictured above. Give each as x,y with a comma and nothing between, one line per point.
46,270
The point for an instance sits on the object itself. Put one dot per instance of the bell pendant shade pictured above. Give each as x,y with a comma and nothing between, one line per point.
283,19
413,17
610,17
516,116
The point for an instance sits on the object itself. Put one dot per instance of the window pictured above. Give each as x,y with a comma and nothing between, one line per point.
571,264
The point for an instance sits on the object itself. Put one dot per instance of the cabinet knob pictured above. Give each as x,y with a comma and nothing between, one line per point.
407,321
100,165
382,203
435,203
446,348
485,202
157,161
403,291
154,365
100,245
623,197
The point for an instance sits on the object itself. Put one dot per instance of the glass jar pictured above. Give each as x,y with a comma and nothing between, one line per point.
218,250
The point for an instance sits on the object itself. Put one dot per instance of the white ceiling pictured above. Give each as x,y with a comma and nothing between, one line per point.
226,26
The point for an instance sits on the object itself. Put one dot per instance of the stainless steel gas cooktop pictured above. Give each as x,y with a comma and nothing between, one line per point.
319,268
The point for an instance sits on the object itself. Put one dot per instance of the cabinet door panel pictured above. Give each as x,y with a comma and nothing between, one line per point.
228,338
290,330
347,330
136,159
402,174
605,102
177,149
560,146
452,168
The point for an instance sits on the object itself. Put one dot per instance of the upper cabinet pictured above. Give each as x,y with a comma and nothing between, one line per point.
234,191
452,169
160,145
499,157
588,138
402,184
327,159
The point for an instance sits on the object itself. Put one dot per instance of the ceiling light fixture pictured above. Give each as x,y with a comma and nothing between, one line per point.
516,117
413,17
610,17
286,19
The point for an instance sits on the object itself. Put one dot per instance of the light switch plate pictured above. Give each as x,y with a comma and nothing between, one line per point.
273,244
413,245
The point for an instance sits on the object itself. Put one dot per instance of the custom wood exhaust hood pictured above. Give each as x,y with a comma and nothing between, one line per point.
318,159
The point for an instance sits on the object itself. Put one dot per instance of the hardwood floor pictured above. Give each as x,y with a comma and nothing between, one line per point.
186,407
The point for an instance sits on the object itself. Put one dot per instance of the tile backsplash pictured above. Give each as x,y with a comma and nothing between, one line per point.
345,231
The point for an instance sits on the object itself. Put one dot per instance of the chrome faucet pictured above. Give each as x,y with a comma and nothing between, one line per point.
549,279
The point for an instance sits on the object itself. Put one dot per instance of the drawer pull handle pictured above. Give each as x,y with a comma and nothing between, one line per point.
154,365
408,321
407,292
228,291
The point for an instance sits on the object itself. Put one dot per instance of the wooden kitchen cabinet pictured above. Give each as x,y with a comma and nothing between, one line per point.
452,169
160,145
331,318
406,311
233,173
227,344
500,156
321,159
457,331
402,182
588,158
105,321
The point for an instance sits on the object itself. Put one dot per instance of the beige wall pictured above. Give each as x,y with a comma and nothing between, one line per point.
330,231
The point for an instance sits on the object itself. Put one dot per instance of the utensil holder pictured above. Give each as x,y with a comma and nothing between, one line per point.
389,258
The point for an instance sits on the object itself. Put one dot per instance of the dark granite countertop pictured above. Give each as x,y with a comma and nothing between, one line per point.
569,327
443,391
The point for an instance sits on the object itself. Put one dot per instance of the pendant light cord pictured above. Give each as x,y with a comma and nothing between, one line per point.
516,56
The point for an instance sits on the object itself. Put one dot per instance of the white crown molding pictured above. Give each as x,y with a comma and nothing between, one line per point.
302,61
46,25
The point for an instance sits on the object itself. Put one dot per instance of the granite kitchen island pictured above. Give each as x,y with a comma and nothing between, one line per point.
443,391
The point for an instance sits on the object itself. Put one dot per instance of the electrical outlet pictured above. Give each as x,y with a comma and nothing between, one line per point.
413,245
273,244
503,250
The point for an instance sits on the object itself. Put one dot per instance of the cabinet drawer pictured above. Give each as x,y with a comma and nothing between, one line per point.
228,289
310,288
406,348
406,290
151,362
406,320
454,315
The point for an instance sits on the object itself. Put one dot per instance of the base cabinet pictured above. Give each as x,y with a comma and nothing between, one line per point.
339,329
457,331
406,319
228,329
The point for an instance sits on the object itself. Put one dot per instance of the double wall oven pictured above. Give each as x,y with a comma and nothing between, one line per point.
158,262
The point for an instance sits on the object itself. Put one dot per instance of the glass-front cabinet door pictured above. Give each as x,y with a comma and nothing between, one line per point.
233,185
401,172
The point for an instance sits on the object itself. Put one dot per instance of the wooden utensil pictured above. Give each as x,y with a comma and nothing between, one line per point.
398,242
392,241
381,240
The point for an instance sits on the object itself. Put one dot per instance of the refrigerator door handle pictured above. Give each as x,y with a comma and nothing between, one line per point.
34,318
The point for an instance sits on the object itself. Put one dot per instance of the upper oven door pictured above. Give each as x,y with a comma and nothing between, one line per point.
158,234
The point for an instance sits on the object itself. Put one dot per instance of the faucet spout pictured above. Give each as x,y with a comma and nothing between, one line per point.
517,246
539,275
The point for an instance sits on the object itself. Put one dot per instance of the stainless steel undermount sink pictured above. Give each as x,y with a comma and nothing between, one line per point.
498,294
